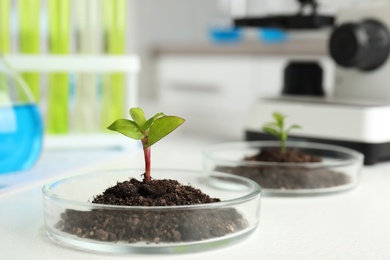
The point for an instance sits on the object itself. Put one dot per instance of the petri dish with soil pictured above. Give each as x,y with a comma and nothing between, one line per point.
304,169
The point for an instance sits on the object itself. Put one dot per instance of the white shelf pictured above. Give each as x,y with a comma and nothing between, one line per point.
74,63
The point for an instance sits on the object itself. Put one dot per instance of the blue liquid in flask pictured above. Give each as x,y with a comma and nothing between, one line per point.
21,132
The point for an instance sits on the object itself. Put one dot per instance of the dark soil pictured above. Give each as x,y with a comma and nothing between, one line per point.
152,193
290,155
152,226
291,177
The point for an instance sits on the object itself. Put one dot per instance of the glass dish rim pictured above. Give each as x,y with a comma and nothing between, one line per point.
355,155
255,191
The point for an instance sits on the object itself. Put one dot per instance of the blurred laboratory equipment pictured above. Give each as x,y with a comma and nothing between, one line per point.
40,39
21,127
354,112
301,20
222,29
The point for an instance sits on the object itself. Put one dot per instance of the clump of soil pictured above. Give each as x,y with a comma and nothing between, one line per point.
152,193
291,177
152,226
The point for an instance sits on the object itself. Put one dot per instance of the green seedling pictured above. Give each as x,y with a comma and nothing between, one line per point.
147,131
277,129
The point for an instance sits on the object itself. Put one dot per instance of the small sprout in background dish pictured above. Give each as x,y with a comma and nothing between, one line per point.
277,129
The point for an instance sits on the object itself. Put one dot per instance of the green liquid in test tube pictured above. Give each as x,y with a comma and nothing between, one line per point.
59,43
113,94
5,41
5,26
29,14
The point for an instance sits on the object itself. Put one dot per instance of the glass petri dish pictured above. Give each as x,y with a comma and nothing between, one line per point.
339,168
73,221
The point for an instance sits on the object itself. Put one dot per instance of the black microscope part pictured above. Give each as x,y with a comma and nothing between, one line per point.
364,45
290,22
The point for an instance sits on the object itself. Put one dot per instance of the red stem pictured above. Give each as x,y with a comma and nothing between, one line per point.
147,164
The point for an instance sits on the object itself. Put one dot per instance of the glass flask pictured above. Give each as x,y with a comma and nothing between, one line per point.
21,126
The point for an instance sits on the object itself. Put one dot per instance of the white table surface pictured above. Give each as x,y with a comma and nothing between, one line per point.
349,225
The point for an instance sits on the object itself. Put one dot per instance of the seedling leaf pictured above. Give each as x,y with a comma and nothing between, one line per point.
138,116
151,120
293,127
127,127
279,118
162,127
271,131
